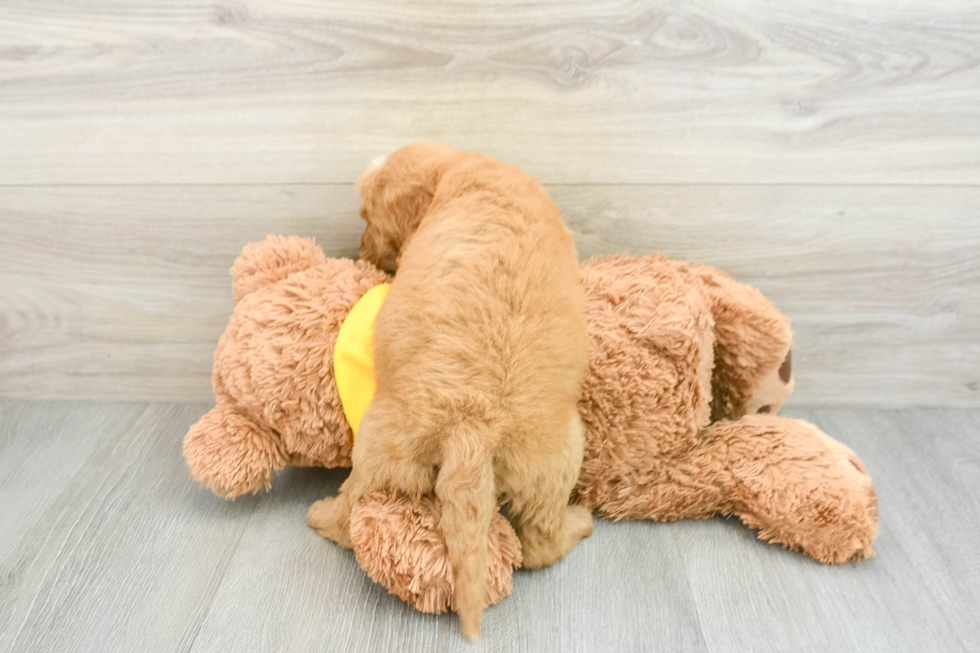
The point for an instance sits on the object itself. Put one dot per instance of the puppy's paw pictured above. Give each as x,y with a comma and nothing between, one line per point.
579,524
330,520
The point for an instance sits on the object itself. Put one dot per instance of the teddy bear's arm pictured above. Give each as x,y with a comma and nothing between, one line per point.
797,485
230,454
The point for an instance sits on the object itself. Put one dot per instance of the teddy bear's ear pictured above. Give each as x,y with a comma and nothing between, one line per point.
272,260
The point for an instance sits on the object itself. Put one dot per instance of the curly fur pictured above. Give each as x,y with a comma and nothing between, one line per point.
480,349
384,521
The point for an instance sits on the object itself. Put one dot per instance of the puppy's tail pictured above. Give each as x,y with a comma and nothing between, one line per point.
465,487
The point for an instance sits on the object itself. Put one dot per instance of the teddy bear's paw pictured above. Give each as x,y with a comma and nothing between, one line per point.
816,496
836,517
838,533
398,542
230,454
849,504
330,517
845,514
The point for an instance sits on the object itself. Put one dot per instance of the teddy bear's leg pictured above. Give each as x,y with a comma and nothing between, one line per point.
230,454
272,260
798,486
399,543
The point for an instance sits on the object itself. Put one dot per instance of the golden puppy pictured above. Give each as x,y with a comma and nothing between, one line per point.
480,350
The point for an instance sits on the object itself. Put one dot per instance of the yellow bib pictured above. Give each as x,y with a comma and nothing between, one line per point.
353,356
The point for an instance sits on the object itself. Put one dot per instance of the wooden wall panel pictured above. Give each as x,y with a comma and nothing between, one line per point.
122,292
605,91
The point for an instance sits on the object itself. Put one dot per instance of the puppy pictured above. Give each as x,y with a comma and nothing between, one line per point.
480,350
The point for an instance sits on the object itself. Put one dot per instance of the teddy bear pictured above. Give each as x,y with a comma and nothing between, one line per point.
687,370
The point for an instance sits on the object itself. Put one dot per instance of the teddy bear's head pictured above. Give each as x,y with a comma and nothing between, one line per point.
772,390
276,397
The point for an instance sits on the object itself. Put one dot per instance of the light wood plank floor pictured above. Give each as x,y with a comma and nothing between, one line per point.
107,545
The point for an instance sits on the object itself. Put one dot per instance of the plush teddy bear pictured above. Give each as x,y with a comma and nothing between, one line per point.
687,370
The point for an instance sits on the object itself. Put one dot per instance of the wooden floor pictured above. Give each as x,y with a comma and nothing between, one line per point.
106,544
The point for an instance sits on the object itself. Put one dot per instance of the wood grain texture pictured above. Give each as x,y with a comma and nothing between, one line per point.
125,291
122,292
915,593
108,545
925,467
114,548
303,590
272,91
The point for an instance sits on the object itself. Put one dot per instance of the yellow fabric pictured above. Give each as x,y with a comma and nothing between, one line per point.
353,356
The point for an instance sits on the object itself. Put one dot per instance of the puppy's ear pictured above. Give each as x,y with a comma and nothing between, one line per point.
367,183
410,206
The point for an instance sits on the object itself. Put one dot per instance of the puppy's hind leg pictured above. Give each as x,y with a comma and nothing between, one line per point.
383,459
547,526
331,518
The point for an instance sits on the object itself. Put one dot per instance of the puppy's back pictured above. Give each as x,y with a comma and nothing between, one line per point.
482,341
488,302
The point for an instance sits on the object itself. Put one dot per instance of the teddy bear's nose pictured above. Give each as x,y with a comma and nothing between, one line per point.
786,369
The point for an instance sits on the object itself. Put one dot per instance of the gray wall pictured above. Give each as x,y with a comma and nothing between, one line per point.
829,156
